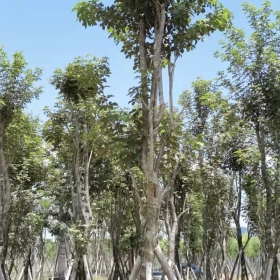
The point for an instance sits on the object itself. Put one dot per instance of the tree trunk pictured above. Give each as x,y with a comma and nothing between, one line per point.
61,262
151,230
131,259
177,245
5,192
205,241
269,198
150,166
80,192
27,265
171,222
244,273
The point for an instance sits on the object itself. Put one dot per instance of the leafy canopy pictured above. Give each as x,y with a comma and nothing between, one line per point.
181,32
16,84
82,79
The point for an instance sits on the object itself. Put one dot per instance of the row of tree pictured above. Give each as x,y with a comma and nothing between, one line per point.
107,179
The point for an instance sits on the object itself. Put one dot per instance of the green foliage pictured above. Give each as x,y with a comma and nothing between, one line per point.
50,247
16,83
253,63
28,173
122,19
163,243
252,249
24,150
210,137
82,79
78,235
232,247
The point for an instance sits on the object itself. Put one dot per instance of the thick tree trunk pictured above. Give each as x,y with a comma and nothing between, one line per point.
151,230
149,161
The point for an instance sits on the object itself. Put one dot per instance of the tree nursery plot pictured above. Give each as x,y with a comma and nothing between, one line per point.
171,186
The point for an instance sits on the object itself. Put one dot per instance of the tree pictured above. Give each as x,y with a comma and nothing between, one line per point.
71,129
253,80
25,157
16,89
154,33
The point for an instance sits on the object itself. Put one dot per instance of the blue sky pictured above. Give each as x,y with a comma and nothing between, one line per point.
50,37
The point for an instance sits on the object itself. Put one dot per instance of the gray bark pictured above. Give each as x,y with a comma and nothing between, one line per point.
154,195
61,261
5,191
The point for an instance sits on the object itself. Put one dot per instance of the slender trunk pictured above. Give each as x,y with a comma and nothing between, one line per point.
276,216
205,238
11,265
77,166
177,244
269,198
137,223
5,191
171,222
61,262
274,272
145,99
131,259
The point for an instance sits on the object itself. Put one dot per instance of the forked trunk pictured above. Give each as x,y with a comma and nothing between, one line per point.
244,273
80,193
153,113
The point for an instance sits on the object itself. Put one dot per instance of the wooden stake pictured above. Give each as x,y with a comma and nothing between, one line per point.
164,264
1,273
21,273
88,274
69,270
136,269
269,268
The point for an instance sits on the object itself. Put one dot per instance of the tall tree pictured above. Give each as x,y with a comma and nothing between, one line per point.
16,90
253,79
25,157
81,89
154,32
